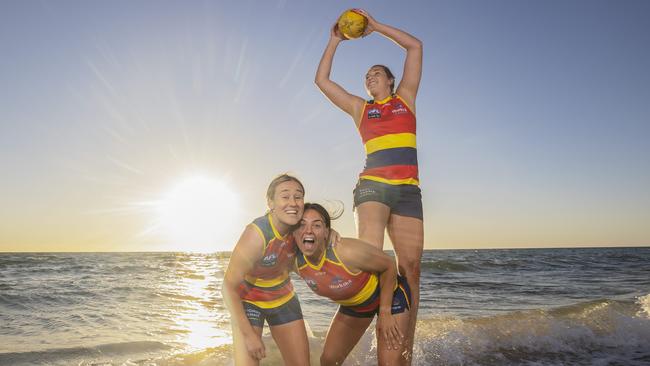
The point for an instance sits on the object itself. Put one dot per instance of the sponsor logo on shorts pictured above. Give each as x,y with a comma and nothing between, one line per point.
365,192
253,313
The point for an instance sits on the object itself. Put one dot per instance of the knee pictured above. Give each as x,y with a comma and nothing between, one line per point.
410,267
328,359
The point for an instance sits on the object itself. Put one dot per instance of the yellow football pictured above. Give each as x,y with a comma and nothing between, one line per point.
352,25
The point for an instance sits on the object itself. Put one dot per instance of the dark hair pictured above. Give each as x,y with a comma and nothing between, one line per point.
270,192
389,74
324,213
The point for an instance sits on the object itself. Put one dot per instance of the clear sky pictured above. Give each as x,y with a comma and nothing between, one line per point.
533,120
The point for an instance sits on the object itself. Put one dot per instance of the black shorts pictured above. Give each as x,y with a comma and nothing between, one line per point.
401,302
403,199
285,313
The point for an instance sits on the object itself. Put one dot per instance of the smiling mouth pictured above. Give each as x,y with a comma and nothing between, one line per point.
309,243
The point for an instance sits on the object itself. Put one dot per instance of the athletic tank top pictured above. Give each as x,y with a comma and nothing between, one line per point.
332,279
268,284
387,130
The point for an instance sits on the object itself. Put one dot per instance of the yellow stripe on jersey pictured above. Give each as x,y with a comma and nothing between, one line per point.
340,263
316,267
260,282
391,181
272,303
390,141
364,294
275,231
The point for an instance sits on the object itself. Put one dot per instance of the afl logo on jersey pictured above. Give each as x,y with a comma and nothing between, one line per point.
374,113
270,260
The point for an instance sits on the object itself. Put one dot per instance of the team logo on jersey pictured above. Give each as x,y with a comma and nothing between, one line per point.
374,113
270,260
339,283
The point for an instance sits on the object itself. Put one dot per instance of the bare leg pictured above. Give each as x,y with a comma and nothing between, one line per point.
386,355
407,235
344,333
241,354
372,218
291,339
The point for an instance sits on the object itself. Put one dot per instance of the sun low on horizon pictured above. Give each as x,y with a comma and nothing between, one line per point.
196,214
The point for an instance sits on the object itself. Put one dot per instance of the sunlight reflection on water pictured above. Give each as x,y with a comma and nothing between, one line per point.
199,318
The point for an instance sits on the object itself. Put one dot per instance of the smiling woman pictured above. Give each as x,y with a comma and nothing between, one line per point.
196,214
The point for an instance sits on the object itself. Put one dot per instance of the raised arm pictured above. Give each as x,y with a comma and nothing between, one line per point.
408,86
357,254
350,104
248,250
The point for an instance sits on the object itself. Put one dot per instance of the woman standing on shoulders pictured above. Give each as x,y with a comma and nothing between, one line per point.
387,196
257,287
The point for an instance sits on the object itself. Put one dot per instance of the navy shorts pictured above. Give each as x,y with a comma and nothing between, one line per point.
285,313
403,199
401,302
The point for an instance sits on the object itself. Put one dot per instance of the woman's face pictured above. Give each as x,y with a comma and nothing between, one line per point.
377,81
288,202
312,234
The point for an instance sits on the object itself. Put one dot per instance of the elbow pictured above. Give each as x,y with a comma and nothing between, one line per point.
417,44
319,82
227,289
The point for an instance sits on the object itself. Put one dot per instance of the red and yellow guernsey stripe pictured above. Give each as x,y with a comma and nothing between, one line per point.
388,132
332,279
268,284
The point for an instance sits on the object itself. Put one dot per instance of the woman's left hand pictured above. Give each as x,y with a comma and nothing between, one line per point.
389,332
372,23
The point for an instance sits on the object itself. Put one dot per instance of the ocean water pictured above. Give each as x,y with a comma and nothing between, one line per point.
487,307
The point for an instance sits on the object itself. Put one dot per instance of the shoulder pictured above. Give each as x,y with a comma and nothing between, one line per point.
262,225
252,235
344,253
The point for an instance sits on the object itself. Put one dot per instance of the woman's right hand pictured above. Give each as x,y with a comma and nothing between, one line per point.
255,346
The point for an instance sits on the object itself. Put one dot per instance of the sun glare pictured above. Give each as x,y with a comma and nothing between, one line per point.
197,213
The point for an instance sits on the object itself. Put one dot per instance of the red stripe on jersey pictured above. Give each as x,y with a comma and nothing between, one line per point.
250,293
391,117
393,172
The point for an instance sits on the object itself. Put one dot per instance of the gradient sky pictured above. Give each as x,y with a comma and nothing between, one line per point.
533,117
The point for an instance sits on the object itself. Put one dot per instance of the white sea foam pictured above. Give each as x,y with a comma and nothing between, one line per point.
644,303
598,332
